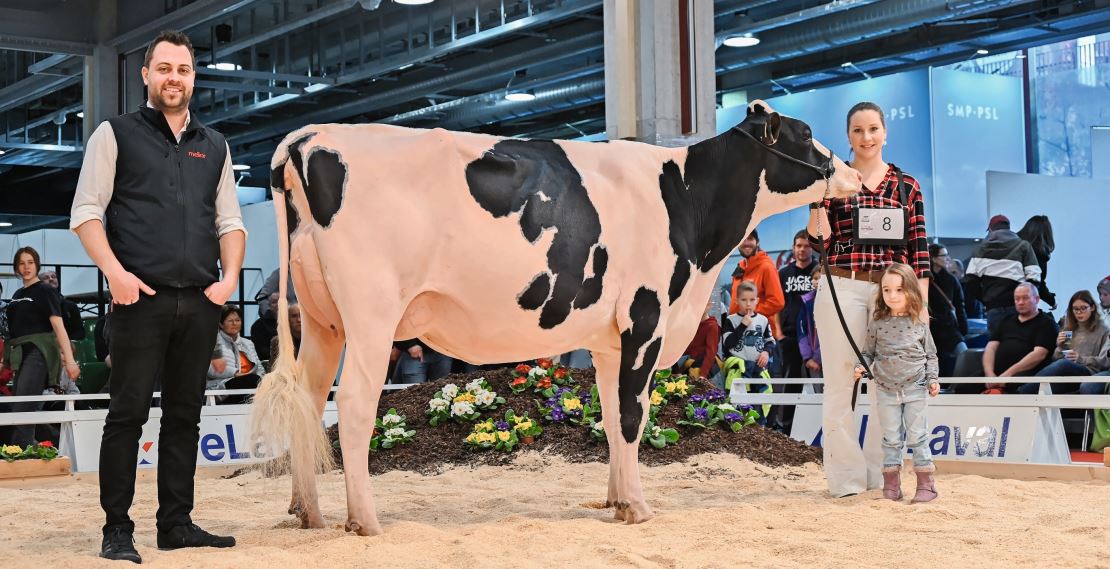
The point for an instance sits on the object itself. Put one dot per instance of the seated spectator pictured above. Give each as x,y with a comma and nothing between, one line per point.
1019,343
419,363
264,329
808,343
235,365
702,351
997,266
294,330
269,288
1104,298
71,314
1080,346
947,318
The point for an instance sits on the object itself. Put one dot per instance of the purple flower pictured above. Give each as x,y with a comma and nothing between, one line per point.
557,414
715,395
697,398
501,426
701,413
745,408
732,417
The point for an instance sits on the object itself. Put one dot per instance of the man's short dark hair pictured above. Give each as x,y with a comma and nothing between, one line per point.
170,36
802,234
935,249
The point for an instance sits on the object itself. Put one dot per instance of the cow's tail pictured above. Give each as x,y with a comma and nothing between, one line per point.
285,421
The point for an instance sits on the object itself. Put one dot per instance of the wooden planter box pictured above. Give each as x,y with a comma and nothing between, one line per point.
34,468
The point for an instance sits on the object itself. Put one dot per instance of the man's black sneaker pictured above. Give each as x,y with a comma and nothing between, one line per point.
191,536
119,545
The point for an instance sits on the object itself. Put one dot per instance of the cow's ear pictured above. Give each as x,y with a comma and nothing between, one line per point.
771,129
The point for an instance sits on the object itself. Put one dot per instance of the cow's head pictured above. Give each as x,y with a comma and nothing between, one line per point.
794,164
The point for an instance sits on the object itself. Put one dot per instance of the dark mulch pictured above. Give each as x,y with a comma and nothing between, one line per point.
436,447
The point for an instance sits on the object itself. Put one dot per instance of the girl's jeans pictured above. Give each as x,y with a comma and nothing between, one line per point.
901,414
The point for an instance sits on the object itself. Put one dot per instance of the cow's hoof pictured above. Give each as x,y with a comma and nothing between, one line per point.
636,513
295,508
621,513
366,531
314,521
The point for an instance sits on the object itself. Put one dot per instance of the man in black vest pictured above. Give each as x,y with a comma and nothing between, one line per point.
156,209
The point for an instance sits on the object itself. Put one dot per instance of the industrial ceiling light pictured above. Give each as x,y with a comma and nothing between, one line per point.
518,95
80,114
413,2
3,152
981,51
742,40
5,224
1020,55
521,96
225,66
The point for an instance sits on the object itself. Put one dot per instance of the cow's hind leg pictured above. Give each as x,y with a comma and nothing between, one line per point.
608,371
639,356
321,348
370,338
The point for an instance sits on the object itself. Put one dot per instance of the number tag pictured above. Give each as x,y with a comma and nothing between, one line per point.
880,225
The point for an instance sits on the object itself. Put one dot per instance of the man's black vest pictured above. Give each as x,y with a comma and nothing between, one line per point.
161,222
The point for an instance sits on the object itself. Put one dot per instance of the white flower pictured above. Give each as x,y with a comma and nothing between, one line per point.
537,372
483,398
599,426
475,385
655,432
395,433
391,419
436,404
460,408
449,391
726,407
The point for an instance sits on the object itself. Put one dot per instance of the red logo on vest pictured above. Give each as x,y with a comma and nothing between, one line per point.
197,154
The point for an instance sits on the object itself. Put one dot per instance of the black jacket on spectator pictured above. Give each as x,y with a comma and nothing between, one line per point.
262,331
946,306
795,284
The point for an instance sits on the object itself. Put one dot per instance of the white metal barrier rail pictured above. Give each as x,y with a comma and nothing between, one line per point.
70,413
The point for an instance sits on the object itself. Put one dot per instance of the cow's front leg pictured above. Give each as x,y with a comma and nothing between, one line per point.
639,355
360,387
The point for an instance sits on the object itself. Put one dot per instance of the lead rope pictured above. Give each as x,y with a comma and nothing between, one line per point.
836,301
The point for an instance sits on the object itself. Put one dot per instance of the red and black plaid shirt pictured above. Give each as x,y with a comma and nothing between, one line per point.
847,255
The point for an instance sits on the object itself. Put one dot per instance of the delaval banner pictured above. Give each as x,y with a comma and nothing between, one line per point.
978,125
224,437
959,432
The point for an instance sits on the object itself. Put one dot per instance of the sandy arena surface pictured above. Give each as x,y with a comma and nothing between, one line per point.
713,511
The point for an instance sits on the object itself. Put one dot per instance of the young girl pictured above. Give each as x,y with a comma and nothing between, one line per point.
900,352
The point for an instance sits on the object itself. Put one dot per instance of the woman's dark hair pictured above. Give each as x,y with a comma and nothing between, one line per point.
228,310
1038,232
1070,322
864,106
30,251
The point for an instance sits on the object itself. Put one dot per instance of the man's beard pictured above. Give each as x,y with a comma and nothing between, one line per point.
160,103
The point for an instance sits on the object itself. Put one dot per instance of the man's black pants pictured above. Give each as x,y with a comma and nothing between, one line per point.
168,335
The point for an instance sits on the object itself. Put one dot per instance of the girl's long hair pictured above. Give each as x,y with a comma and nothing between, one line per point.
1071,323
1038,232
914,302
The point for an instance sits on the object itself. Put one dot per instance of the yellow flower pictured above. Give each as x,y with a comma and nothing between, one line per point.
518,419
465,396
486,425
523,426
12,449
503,435
669,386
471,437
681,386
656,399
488,437
570,404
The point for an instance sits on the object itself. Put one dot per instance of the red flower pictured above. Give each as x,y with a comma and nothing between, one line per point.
545,363
544,383
519,381
523,368
560,373
46,444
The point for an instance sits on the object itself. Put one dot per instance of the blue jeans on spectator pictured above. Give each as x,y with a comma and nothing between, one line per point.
995,315
902,414
1095,387
412,370
1060,367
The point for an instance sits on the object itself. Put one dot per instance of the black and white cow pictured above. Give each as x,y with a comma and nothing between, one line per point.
492,249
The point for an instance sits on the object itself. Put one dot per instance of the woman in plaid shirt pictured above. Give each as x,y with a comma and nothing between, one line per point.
858,268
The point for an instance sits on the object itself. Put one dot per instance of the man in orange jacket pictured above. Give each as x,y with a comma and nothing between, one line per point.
757,267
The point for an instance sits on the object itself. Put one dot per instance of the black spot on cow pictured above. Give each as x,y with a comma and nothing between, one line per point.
591,288
291,217
536,179
295,154
679,278
645,313
536,293
327,183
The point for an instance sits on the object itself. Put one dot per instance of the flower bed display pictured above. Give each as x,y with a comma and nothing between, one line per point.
32,461
564,413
